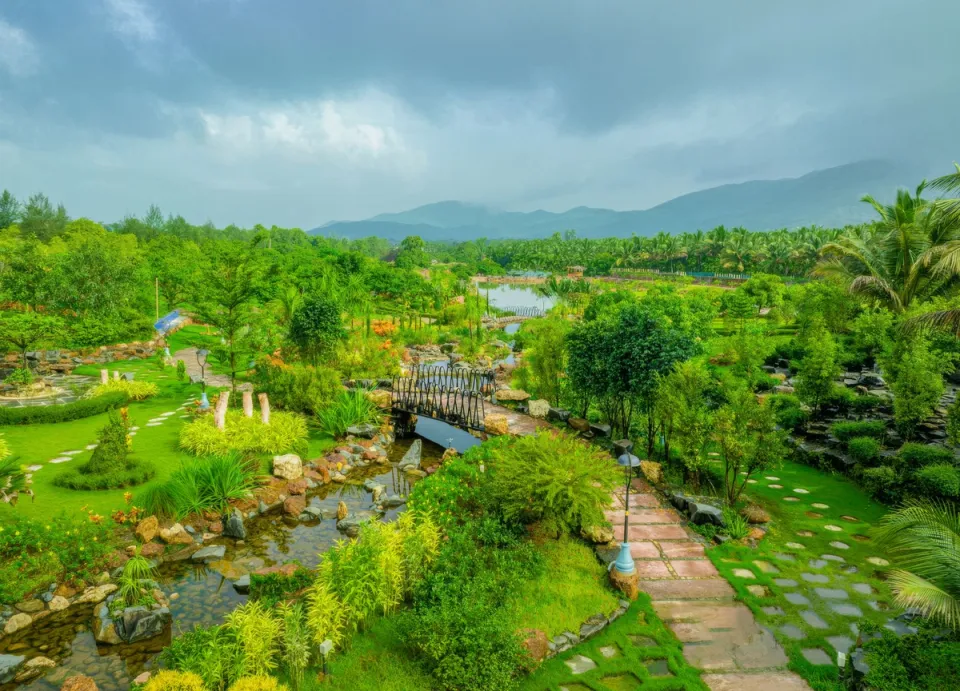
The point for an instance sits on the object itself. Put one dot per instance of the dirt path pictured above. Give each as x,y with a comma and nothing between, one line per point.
718,634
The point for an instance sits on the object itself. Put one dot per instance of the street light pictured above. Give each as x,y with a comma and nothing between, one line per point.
624,563
202,361
325,649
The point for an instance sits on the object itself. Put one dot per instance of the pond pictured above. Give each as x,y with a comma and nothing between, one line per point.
506,295
202,594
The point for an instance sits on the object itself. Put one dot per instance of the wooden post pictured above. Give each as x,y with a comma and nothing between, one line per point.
104,376
248,404
264,408
220,415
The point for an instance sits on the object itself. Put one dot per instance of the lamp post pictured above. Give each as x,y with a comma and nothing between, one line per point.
624,563
202,361
325,649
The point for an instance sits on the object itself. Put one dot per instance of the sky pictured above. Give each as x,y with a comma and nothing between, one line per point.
298,112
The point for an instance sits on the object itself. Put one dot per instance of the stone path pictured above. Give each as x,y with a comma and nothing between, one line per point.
189,357
718,634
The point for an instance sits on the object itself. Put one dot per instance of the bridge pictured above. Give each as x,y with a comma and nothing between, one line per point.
451,395
509,315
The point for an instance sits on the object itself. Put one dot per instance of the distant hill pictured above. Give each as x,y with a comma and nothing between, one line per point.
829,197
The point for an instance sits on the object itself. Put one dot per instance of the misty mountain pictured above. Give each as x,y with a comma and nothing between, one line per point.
829,197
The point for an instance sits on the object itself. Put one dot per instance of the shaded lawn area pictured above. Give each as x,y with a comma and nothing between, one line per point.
194,335
636,651
811,579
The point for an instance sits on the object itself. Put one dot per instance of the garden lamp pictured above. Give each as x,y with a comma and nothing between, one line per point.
325,649
624,563
202,361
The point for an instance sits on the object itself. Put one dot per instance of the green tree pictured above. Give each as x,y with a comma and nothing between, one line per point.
685,409
740,307
25,330
547,356
871,332
751,347
317,327
41,220
819,366
766,289
411,254
10,210
746,433
917,388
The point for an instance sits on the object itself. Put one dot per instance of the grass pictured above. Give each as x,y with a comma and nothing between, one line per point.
194,335
571,589
798,522
639,639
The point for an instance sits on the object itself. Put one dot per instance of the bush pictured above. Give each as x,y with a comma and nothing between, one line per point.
788,411
297,388
169,680
133,390
39,415
135,473
209,652
201,485
864,403
941,480
257,684
257,632
244,435
109,466
913,456
841,398
864,450
882,483
90,332
272,588
347,409
845,431
926,660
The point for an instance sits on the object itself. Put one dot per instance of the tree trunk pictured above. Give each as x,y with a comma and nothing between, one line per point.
248,404
220,414
264,408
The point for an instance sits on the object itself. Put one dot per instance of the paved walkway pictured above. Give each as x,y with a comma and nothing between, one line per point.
719,635
189,357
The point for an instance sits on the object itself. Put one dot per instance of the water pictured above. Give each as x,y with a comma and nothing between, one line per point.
504,295
204,593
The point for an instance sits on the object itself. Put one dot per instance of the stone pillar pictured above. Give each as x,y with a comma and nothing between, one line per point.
104,376
264,408
220,414
248,404
116,374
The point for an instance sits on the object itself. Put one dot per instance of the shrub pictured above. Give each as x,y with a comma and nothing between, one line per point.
129,325
864,403
295,644
134,390
788,411
882,483
257,684
257,631
109,466
38,415
941,480
273,588
864,450
347,409
135,584
737,526
841,398
555,478
169,680
209,652
181,371
913,456
927,660
20,377
243,435
200,485
326,618
298,388
845,431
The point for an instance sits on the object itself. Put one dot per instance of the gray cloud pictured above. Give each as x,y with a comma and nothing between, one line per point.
292,112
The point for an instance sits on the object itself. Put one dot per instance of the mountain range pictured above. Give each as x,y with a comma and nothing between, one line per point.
828,197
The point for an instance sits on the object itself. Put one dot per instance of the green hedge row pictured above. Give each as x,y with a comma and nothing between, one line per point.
45,414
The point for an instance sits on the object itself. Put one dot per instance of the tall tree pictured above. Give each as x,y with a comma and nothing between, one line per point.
10,210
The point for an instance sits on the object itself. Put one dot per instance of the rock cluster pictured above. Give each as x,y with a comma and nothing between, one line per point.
65,361
590,627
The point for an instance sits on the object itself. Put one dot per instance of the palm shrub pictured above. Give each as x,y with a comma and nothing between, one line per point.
295,644
737,526
133,390
348,408
134,587
258,633
923,539
244,435
553,478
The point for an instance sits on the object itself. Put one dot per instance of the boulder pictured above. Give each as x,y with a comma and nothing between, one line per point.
755,515
381,399
288,466
58,603
628,584
536,643
10,665
80,682
558,415
148,528
364,431
653,471
139,623
783,388
17,622
704,514
622,446
393,501
297,486
579,424
411,459
598,534
294,506
592,625
34,667
95,594
679,501
142,678
104,627
242,584
538,408
513,395
600,429
176,535
496,424
31,606
210,553
233,526
151,550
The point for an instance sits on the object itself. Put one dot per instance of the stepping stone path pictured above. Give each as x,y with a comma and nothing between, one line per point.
813,514
771,478
795,545
820,506
790,499
850,519
814,578
817,563
154,424
776,486
832,593
813,619
580,664
34,468
839,545
878,561
73,453
168,414
609,651
773,611
799,490
846,610
863,588
815,656
766,567
91,447
833,528
134,428
806,533
785,582
797,599
793,632
62,459
841,644
833,557
719,635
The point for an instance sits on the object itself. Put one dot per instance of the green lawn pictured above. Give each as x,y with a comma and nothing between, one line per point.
789,564
191,336
635,651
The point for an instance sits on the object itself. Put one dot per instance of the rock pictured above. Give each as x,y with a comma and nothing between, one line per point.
592,625
148,528
536,644
496,424
17,622
558,415
176,535
597,534
64,590
381,399
139,623
704,514
297,486
142,678
312,513
628,584
242,584
755,515
679,501
653,471
30,606
393,501
415,472
579,424
95,594
151,550
622,446
349,526
783,388
365,431
512,395
600,429
294,506
538,408
58,603
411,459
337,477
288,466
104,627
233,526
210,553
80,682
35,666
10,665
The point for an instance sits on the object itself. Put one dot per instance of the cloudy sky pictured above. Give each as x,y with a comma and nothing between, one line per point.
296,112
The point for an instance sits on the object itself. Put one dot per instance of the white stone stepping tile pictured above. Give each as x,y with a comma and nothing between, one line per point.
72,453
800,490
833,528
154,424
820,506
878,561
131,434
776,486
62,459
156,420
168,413
134,428
91,447
771,478
34,468
184,416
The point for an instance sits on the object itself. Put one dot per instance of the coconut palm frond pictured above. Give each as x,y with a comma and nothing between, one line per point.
943,320
911,590
876,287
949,182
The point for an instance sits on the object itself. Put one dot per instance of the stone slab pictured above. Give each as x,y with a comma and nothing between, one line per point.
683,550
705,588
691,568
657,532
764,681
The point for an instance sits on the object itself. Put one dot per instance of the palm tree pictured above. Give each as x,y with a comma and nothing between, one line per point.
924,539
912,252
738,249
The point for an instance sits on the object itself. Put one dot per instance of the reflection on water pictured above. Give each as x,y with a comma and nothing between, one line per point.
445,435
203,594
508,295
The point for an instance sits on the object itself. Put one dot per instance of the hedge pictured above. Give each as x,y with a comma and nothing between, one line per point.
47,414
845,431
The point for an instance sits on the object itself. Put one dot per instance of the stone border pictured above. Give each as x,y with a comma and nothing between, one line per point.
592,626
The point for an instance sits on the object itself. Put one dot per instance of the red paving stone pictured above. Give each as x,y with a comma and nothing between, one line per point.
700,568
763,681
658,532
644,550
683,550
689,589
641,516
652,569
